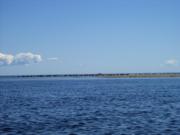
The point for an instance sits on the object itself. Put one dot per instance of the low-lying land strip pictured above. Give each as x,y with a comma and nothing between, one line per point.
106,75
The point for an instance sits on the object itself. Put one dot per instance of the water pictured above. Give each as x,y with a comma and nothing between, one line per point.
89,106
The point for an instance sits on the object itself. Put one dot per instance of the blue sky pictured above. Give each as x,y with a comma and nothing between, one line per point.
89,36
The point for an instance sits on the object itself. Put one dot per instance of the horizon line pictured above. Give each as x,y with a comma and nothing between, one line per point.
89,74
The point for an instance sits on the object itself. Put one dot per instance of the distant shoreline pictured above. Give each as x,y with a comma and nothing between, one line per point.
102,75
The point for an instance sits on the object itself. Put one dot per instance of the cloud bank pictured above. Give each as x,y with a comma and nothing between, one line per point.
19,59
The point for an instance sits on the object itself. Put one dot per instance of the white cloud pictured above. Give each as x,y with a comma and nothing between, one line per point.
53,59
6,59
19,59
26,58
171,62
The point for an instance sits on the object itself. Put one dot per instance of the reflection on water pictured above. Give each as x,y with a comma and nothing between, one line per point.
89,106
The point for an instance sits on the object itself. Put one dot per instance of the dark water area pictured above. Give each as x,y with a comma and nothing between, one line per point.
89,106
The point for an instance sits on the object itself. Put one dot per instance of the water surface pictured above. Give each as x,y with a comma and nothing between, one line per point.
58,106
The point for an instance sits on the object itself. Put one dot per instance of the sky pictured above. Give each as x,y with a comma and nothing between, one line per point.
89,36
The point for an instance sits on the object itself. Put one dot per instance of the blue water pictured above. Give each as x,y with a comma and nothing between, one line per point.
55,106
